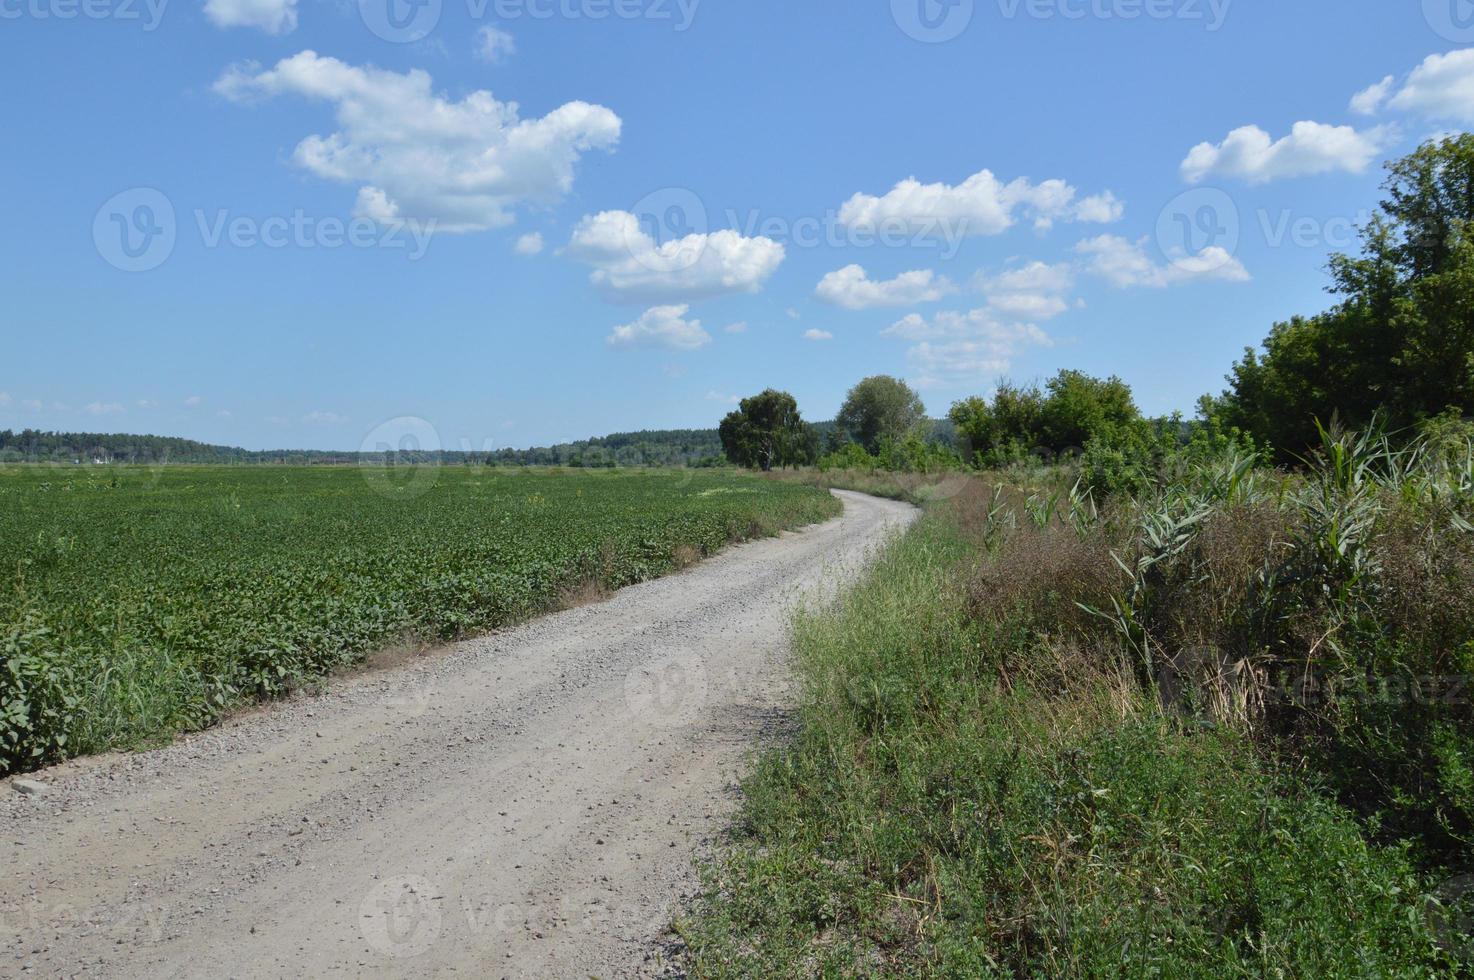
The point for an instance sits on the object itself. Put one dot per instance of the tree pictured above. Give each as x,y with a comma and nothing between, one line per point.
1080,407
1023,420
879,408
767,431
1400,344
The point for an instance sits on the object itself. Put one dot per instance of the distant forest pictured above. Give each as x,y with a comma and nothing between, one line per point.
673,447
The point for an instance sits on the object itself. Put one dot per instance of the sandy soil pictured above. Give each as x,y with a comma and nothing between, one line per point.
526,804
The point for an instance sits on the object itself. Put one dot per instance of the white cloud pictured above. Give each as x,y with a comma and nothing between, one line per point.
631,265
818,335
1442,87
1368,102
1125,264
420,157
739,327
530,244
662,326
103,408
980,205
324,418
225,413
852,289
271,16
493,44
793,314
717,396
193,401
1311,148
1037,291
954,347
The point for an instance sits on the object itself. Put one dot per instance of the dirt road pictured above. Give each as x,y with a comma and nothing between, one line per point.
525,805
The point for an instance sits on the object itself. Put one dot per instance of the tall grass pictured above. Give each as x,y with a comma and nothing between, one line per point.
1170,735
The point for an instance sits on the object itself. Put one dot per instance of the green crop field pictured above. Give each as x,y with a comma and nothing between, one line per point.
144,601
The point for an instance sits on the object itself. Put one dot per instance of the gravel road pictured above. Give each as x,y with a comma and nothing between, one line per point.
526,804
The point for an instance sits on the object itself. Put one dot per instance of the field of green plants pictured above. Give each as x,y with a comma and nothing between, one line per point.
144,601
1221,726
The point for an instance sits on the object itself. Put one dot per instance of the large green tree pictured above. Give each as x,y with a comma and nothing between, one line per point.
878,409
1400,344
767,431
1072,409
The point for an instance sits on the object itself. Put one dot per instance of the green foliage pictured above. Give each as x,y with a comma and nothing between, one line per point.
141,602
877,409
767,431
969,797
1400,345
1073,409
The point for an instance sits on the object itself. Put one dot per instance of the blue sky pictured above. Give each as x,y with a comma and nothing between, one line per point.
334,218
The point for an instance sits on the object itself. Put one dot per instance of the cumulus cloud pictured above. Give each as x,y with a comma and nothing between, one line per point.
193,401
955,347
1037,291
980,205
818,335
717,396
739,327
1125,264
1369,101
1442,87
852,289
271,16
662,326
1249,153
530,244
418,156
631,265
493,44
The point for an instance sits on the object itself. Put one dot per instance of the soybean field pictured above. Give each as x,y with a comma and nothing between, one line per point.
145,601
